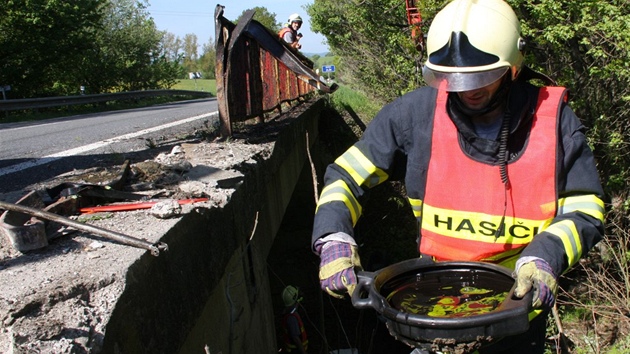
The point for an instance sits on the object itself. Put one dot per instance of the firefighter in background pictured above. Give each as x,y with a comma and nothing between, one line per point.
496,169
290,33
293,334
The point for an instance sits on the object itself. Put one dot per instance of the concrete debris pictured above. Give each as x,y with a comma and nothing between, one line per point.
96,245
78,279
195,189
166,209
190,170
175,162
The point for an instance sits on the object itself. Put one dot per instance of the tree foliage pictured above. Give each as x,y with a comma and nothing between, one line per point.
266,18
53,47
41,40
372,40
585,46
191,54
129,55
207,61
172,46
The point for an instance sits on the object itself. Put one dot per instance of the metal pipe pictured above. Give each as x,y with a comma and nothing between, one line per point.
154,248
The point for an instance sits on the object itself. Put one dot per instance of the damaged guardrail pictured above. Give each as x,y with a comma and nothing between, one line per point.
257,71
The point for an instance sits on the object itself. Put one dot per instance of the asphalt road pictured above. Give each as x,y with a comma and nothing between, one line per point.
35,151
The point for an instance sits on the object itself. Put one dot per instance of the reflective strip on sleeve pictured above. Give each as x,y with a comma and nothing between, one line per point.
587,204
338,191
416,207
566,231
360,168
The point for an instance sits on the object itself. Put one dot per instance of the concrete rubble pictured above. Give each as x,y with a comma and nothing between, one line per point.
58,298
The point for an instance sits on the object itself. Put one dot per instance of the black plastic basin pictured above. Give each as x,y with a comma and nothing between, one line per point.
461,333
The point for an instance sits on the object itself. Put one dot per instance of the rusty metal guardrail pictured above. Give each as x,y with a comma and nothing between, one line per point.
257,71
34,103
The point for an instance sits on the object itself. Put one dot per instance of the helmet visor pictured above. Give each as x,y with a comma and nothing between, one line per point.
461,81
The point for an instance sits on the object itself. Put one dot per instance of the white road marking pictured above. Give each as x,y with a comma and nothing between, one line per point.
85,148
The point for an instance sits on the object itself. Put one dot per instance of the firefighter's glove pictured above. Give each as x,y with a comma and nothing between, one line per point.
536,274
337,267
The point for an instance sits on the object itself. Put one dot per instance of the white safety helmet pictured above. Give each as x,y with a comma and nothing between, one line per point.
471,44
295,18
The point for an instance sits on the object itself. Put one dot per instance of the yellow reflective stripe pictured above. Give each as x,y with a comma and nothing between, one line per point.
507,259
566,231
588,204
416,207
533,314
478,226
360,168
338,191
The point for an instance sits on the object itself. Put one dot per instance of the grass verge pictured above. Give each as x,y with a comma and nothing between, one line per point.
345,99
205,85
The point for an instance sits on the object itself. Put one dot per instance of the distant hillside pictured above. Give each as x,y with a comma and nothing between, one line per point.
311,54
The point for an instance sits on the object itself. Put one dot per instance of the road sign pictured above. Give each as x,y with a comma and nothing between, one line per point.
328,68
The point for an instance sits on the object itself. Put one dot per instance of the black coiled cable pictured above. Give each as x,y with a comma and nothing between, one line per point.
503,148
503,160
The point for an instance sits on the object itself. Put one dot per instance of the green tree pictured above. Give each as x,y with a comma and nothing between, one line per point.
208,59
266,18
172,46
53,47
585,46
129,54
42,44
372,41
191,54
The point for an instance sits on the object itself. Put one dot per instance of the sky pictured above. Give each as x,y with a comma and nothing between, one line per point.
182,17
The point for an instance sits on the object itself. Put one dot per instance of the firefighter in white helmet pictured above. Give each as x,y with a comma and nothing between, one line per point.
496,169
289,33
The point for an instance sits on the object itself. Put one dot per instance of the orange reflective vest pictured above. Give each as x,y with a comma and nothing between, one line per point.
286,30
466,199
286,337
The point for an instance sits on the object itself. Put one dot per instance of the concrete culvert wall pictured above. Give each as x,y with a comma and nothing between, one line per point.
211,291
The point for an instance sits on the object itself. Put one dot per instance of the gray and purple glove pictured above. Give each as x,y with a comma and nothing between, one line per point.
338,261
537,273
